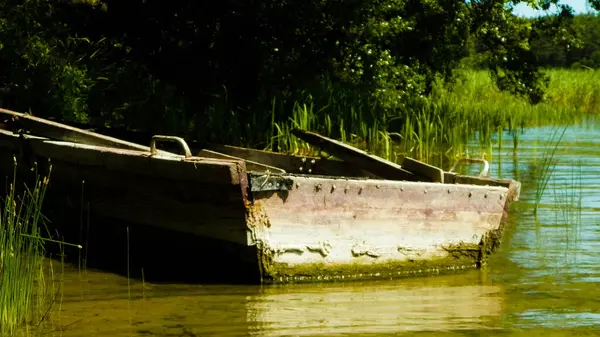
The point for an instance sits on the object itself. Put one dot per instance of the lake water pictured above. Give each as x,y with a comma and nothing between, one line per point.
545,279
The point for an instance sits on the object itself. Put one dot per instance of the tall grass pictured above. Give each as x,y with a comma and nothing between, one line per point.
568,197
543,170
438,130
26,287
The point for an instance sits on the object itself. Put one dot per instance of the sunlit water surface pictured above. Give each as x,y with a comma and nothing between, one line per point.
543,281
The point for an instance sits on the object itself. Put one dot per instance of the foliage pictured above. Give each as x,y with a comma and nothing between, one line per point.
212,70
25,289
470,111
583,51
37,67
561,40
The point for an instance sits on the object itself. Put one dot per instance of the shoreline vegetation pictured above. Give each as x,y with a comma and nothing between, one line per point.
366,73
438,131
363,72
27,287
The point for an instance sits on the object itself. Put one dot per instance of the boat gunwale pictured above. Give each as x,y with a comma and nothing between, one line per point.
379,182
504,183
118,151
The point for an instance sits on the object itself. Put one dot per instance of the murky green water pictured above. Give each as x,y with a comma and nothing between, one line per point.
544,280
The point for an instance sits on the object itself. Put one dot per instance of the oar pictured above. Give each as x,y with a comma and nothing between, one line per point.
376,165
57,131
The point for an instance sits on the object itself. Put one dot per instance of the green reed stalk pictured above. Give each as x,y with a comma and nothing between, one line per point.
436,130
26,286
546,168
568,197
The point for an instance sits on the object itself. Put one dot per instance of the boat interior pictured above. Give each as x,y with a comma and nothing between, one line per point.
343,160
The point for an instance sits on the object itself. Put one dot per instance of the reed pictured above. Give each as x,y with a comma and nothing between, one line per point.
568,195
543,171
438,130
26,285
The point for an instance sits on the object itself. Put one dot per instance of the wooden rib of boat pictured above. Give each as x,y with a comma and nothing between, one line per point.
304,219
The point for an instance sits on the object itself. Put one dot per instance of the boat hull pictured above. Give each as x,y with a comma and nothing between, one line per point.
342,229
287,227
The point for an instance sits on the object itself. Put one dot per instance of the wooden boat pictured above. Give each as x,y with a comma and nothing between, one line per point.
291,218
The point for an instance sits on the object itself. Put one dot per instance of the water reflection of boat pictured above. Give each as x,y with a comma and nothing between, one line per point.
290,218
105,305
377,308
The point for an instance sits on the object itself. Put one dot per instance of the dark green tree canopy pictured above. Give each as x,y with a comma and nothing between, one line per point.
148,63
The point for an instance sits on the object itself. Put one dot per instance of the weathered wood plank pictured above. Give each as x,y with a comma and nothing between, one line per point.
50,129
336,226
250,165
513,186
295,164
376,165
419,168
171,166
199,201
198,208
201,196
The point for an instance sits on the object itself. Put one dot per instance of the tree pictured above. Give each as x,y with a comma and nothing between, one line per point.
161,64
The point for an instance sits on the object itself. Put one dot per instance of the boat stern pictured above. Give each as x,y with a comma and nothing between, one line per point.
309,229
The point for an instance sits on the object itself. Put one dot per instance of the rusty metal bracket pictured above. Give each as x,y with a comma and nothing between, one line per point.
172,139
484,171
269,182
307,165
